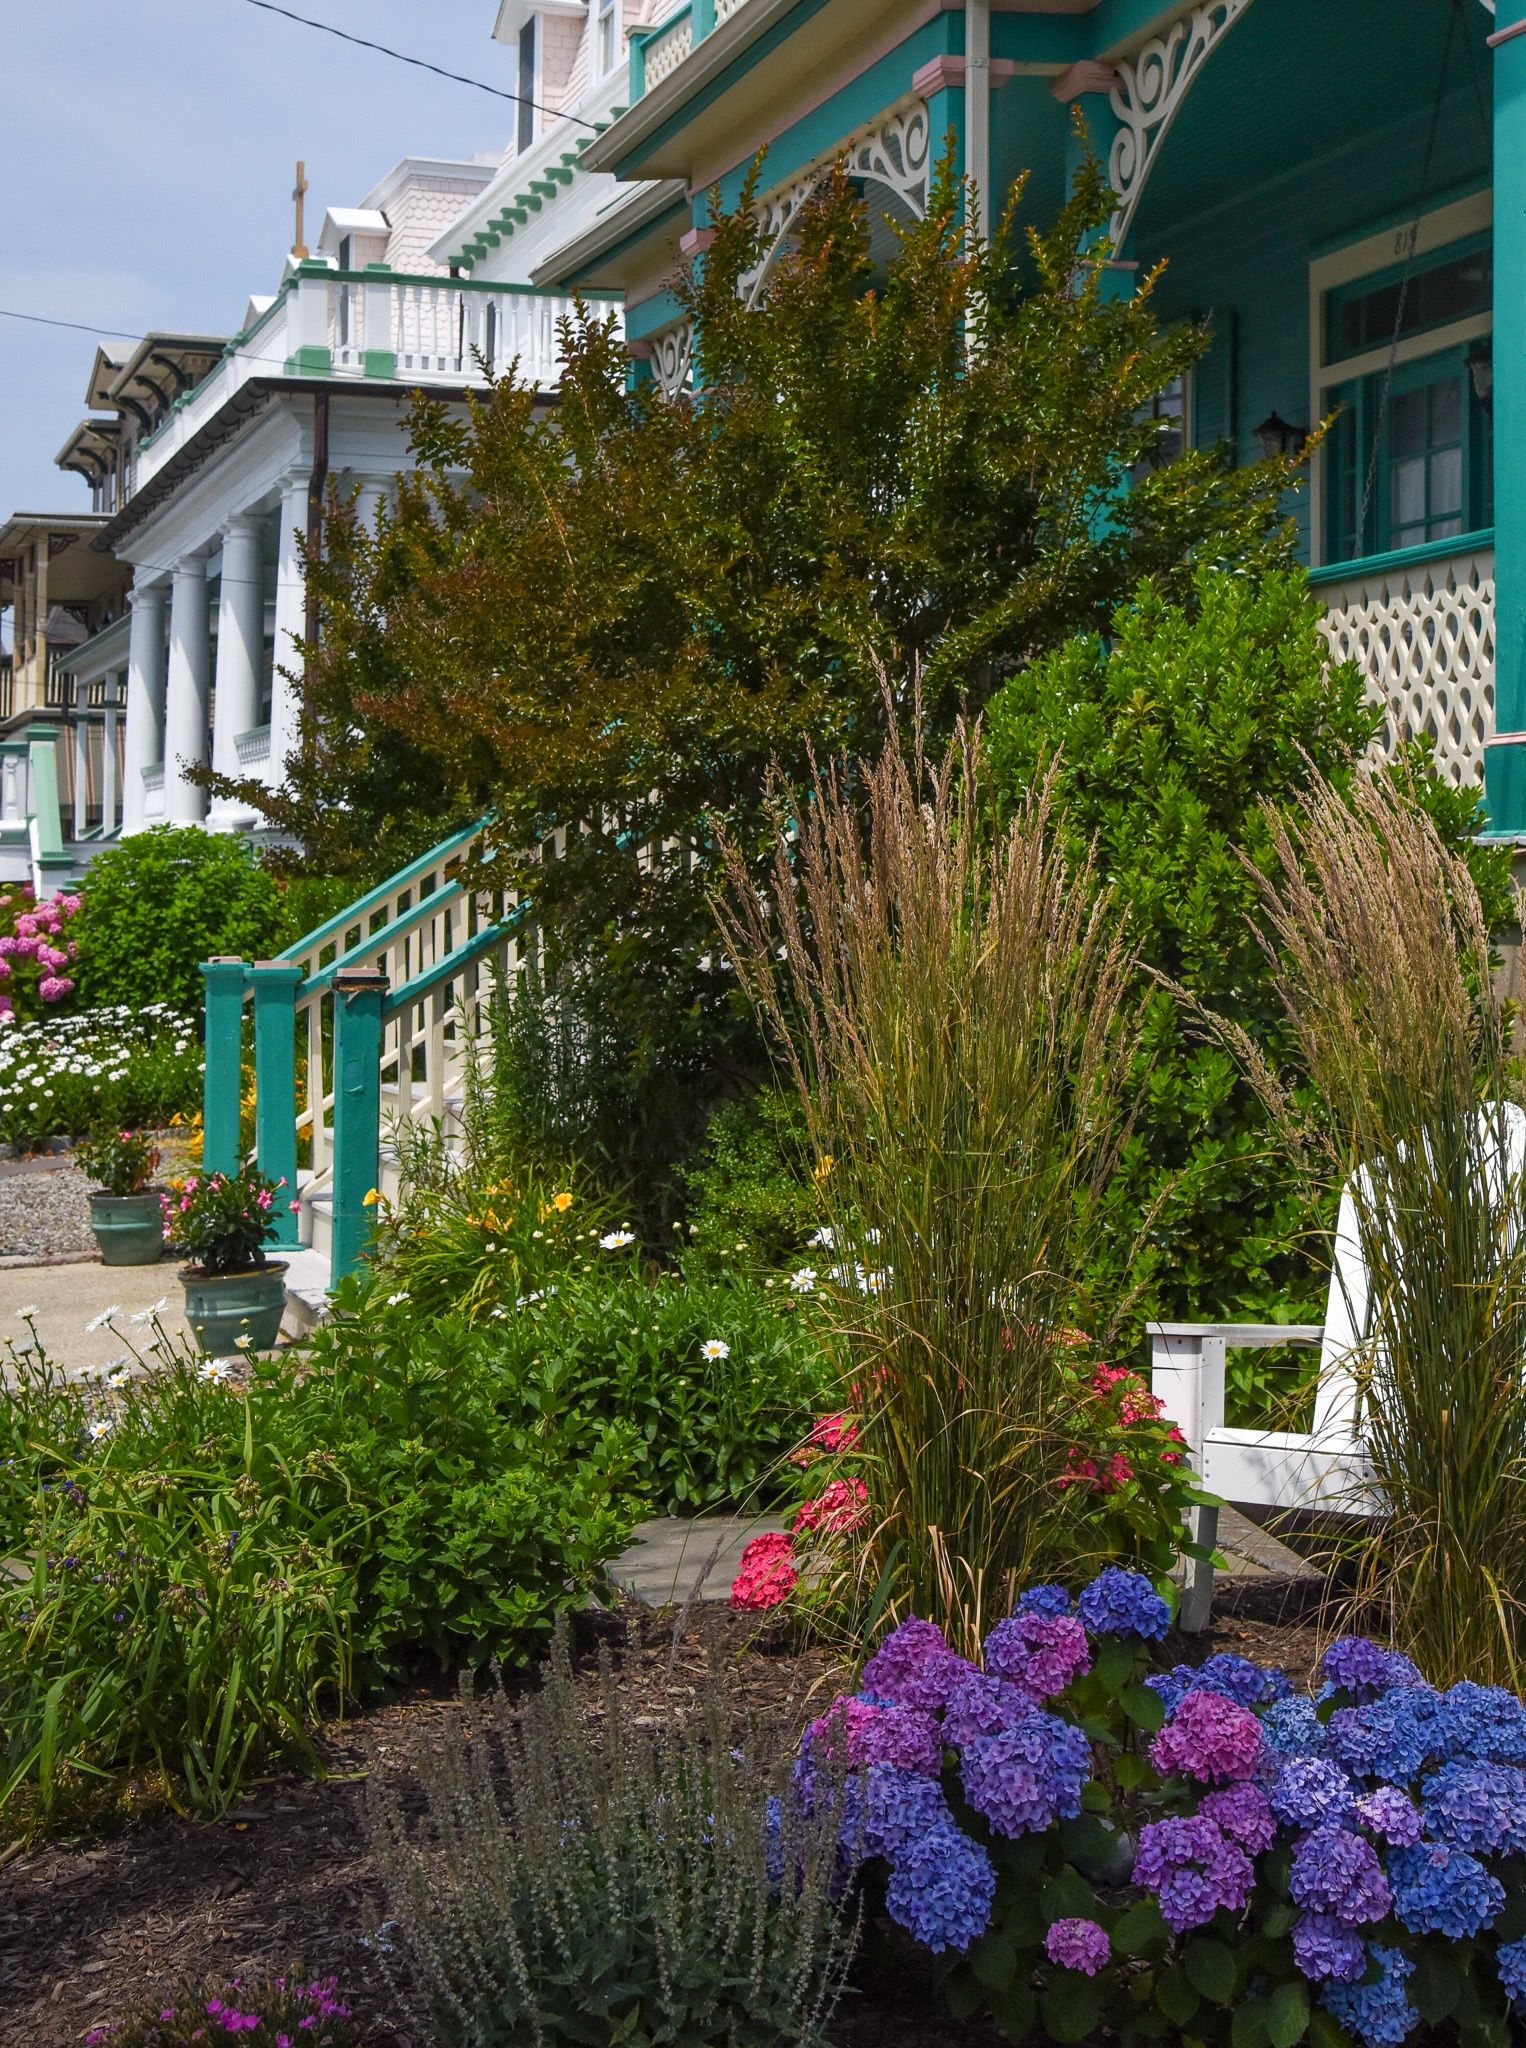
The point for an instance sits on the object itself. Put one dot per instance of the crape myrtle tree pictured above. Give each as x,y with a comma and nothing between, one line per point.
608,619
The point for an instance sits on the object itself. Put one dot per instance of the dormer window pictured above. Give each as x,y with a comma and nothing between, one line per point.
526,85
608,36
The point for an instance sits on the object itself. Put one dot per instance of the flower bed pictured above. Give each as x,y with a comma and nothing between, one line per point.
1189,1854
111,1066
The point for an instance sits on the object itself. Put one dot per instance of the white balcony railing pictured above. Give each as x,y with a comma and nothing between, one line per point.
357,325
1420,623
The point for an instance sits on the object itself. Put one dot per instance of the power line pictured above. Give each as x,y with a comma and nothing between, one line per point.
42,320
519,99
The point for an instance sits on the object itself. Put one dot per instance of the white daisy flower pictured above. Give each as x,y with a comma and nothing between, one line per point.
616,1240
102,1426
25,1315
215,1369
803,1281
394,1299
146,1315
99,1322
242,1343
826,1237
715,1347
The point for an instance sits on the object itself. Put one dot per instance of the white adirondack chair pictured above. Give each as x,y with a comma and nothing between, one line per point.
1326,1467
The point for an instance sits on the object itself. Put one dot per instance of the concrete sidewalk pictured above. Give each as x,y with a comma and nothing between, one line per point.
68,1297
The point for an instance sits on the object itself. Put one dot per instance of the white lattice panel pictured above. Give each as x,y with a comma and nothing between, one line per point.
666,52
1425,638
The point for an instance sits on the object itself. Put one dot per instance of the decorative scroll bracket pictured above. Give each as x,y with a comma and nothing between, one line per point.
1150,89
672,358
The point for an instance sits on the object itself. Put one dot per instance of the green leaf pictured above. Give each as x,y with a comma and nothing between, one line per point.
1248,2028
1141,1925
1094,1797
1144,1707
1175,1996
1325,2031
1210,1969
1287,2014
1435,1987
1015,2011
994,1961
1073,2005
963,1991
1068,1897
1131,1771
1279,1920
1114,1665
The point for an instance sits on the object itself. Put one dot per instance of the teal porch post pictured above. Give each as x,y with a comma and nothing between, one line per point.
222,1077
275,1083
1505,758
358,996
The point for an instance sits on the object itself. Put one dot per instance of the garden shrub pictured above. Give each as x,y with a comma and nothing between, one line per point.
38,942
194,1569
1092,1847
275,2013
751,1195
624,1885
124,1066
162,901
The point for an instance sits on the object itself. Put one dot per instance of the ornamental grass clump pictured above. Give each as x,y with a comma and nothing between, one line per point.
955,1012
582,1877
1096,1849
1384,968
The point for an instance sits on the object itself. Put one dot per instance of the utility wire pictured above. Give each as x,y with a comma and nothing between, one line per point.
42,320
520,99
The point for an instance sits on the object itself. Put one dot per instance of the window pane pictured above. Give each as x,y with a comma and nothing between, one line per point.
1408,422
1408,484
1446,412
1446,484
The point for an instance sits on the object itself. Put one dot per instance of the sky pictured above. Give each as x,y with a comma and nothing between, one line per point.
147,155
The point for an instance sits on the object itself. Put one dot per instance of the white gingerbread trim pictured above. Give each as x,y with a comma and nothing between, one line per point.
672,358
1151,87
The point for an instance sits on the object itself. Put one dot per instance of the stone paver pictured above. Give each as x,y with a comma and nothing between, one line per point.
1253,1554
68,1297
673,1560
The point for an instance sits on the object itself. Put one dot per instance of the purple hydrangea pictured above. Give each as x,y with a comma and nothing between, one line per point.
1028,1776
1483,1724
1391,1814
897,1807
1380,2015
1245,1814
1078,1945
981,1705
1194,1869
1308,1791
1050,1600
1364,1668
1336,1872
1510,1961
914,1666
1120,1603
1324,1948
1392,1738
879,1732
1209,1738
1441,1890
941,1888
1293,1728
1240,1680
1478,1806
1038,1653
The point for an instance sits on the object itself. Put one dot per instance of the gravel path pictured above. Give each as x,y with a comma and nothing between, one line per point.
44,1212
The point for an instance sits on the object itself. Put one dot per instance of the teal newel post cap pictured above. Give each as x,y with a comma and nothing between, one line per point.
225,979
359,993
274,983
1505,756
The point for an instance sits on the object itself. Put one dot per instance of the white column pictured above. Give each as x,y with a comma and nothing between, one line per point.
240,657
977,109
144,745
109,762
291,623
81,765
369,502
186,692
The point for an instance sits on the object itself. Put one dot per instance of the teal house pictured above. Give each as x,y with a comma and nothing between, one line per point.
1336,186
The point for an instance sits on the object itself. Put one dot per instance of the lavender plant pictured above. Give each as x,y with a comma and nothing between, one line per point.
581,1878
1194,1855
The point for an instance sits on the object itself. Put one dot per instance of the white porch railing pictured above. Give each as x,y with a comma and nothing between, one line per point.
1420,623
355,325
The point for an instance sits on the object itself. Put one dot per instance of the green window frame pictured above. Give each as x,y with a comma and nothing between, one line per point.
1433,477
1445,286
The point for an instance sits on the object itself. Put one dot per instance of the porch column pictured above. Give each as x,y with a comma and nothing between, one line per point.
109,758
240,651
81,769
291,622
369,501
144,739
1505,756
186,692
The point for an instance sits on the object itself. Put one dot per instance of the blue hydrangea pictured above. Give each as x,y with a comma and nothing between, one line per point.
1028,1776
1234,1678
1483,1724
1309,1791
941,1888
1046,1600
1510,1961
1392,1738
898,1806
981,1705
1364,1669
1380,2015
1293,1728
1478,1806
1172,1686
1120,1603
1336,1872
1325,1948
1441,1890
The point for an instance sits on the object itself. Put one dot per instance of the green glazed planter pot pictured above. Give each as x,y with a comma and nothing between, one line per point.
222,1307
128,1228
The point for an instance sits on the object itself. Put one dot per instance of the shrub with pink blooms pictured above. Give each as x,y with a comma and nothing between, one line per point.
37,952
220,1222
293,2011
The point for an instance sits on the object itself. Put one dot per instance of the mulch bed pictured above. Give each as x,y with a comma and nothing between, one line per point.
92,1927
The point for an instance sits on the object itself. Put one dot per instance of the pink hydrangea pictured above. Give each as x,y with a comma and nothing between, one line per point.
29,944
26,925
878,1733
767,1574
1209,1738
54,986
7,944
1245,1814
842,1507
1078,1945
1038,1653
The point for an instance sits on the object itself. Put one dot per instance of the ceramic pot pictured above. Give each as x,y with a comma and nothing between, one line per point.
222,1307
128,1228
